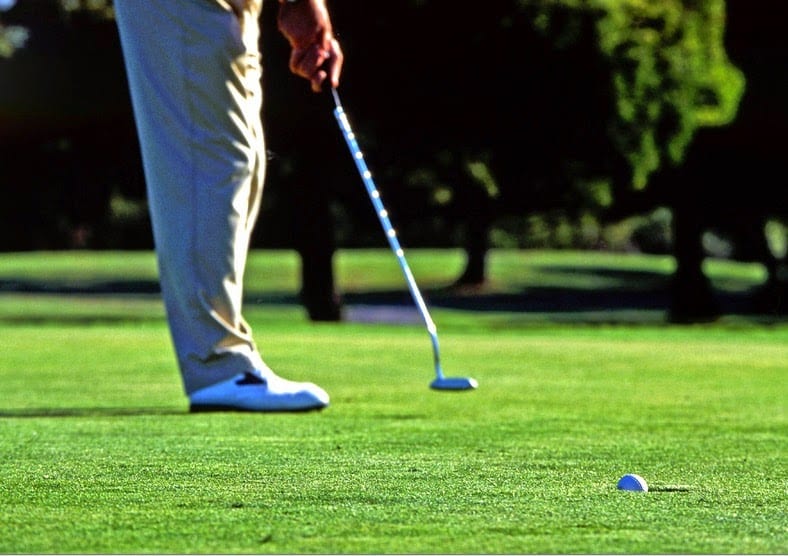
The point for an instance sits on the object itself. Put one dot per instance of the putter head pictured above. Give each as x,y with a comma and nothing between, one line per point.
454,383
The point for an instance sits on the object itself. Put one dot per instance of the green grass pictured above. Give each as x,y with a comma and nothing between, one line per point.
100,456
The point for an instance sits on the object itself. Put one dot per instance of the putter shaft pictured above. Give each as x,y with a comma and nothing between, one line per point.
440,382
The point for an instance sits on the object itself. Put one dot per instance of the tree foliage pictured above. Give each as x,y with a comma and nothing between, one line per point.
532,105
526,104
671,76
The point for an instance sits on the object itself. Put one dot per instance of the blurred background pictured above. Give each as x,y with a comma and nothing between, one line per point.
618,125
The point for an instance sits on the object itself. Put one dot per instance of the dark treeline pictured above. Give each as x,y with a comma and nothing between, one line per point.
478,122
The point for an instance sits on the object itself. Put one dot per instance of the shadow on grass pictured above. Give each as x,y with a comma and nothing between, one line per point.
11,285
546,299
58,412
559,290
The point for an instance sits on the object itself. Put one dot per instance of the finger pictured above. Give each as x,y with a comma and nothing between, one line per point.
317,80
330,67
335,63
295,60
307,62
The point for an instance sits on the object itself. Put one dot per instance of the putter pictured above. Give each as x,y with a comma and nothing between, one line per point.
440,382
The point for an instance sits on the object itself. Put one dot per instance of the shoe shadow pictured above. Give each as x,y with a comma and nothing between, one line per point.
81,412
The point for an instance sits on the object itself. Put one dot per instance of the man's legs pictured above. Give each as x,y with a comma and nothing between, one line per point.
195,77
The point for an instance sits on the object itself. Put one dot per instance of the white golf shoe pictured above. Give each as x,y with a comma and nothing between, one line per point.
250,392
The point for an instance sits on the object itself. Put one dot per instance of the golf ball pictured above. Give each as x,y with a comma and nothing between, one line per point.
632,482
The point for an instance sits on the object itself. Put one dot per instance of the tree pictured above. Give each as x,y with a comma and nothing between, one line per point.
531,105
733,178
66,129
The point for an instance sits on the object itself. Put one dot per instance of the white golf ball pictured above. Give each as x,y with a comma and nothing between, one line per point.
632,482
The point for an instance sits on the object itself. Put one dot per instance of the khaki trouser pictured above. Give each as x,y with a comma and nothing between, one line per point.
194,73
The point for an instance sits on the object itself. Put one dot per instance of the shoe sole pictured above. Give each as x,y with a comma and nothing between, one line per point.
214,408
